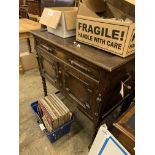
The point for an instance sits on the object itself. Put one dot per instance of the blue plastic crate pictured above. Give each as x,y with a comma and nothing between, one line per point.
57,133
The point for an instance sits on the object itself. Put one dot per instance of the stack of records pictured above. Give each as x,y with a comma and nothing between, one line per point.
53,112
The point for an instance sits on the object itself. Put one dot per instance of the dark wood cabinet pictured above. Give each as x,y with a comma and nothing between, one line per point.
89,77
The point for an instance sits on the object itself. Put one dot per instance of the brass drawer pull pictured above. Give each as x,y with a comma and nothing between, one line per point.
72,62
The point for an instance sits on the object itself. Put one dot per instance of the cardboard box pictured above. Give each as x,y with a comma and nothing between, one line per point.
96,6
109,34
28,61
60,21
106,144
131,1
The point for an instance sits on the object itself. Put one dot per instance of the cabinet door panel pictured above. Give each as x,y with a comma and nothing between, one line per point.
49,68
80,89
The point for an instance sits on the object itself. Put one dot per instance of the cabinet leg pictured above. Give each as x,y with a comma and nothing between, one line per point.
44,86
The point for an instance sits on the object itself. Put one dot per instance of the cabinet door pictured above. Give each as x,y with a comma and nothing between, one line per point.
49,68
81,89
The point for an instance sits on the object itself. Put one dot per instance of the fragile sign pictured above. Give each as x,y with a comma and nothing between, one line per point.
104,35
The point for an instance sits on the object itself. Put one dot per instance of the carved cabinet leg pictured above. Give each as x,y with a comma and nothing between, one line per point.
44,86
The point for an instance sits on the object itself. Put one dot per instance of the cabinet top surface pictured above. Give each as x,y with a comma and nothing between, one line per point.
96,56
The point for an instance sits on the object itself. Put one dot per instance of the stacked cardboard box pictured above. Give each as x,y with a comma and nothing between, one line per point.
53,111
113,31
28,61
97,23
60,21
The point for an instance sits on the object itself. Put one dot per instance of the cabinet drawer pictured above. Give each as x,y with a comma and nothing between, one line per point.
85,67
48,49
77,63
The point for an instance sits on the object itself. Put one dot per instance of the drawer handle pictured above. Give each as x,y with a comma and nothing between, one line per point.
47,48
78,65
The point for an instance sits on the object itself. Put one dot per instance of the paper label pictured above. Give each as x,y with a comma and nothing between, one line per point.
50,13
107,36
41,127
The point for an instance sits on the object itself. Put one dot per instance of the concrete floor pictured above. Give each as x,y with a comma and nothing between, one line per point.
32,140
